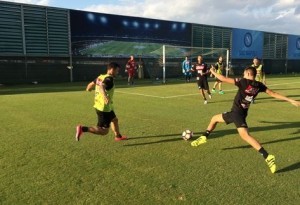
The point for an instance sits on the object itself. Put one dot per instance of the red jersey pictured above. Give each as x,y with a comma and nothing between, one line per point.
130,65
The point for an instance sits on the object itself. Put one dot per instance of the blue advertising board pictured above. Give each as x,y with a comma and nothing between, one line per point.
246,44
293,47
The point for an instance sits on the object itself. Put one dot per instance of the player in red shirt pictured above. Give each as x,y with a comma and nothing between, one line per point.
130,69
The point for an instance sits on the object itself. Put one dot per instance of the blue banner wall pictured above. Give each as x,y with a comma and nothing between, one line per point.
246,44
293,47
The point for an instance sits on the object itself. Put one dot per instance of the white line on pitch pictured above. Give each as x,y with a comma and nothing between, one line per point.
283,84
153,96
191,94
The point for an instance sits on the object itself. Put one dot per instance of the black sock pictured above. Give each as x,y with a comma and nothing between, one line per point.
206,134
119,135
263,152
84,129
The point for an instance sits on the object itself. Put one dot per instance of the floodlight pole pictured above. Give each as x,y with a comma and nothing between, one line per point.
227,62
70,48
164,64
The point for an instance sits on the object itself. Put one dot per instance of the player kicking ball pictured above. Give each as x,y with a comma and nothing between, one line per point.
248,89
104,91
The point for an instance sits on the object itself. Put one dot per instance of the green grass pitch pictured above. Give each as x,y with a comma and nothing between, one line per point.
41,163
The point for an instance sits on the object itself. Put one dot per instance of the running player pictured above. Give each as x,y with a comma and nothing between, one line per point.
248,89
219,66
202,71
104,91
186,69
130,69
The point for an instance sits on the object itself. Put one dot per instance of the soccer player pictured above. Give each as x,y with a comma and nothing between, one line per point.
219,66
260,73
202,71
248,89
186,69
104,91
130,69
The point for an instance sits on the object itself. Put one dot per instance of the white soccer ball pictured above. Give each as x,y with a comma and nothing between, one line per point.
187,134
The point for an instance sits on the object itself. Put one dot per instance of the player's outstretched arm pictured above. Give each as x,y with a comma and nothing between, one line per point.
281,97
221,77
90,86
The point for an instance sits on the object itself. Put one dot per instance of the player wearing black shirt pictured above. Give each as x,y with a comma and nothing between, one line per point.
248,89
202,71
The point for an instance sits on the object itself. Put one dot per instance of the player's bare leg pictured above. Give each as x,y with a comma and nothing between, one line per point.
220,88
214,87
132,79
212,125
248,138
214,121
270,159
98,130
116,130
128,80
203,95
95,130
115,126
208,93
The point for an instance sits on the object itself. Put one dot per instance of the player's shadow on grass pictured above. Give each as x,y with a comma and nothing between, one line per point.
270,142
173,139
278,125
221,133
272,126
290,168
156,136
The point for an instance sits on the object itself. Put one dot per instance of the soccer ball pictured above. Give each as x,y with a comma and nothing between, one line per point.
187,134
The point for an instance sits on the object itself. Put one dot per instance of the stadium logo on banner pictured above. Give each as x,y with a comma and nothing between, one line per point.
248,39
298,43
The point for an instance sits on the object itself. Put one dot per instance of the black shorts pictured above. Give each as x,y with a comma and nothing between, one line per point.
202,83
237,118
105,118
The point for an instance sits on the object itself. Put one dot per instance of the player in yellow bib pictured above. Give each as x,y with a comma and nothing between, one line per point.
104,92
260,76
219,66
101,96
